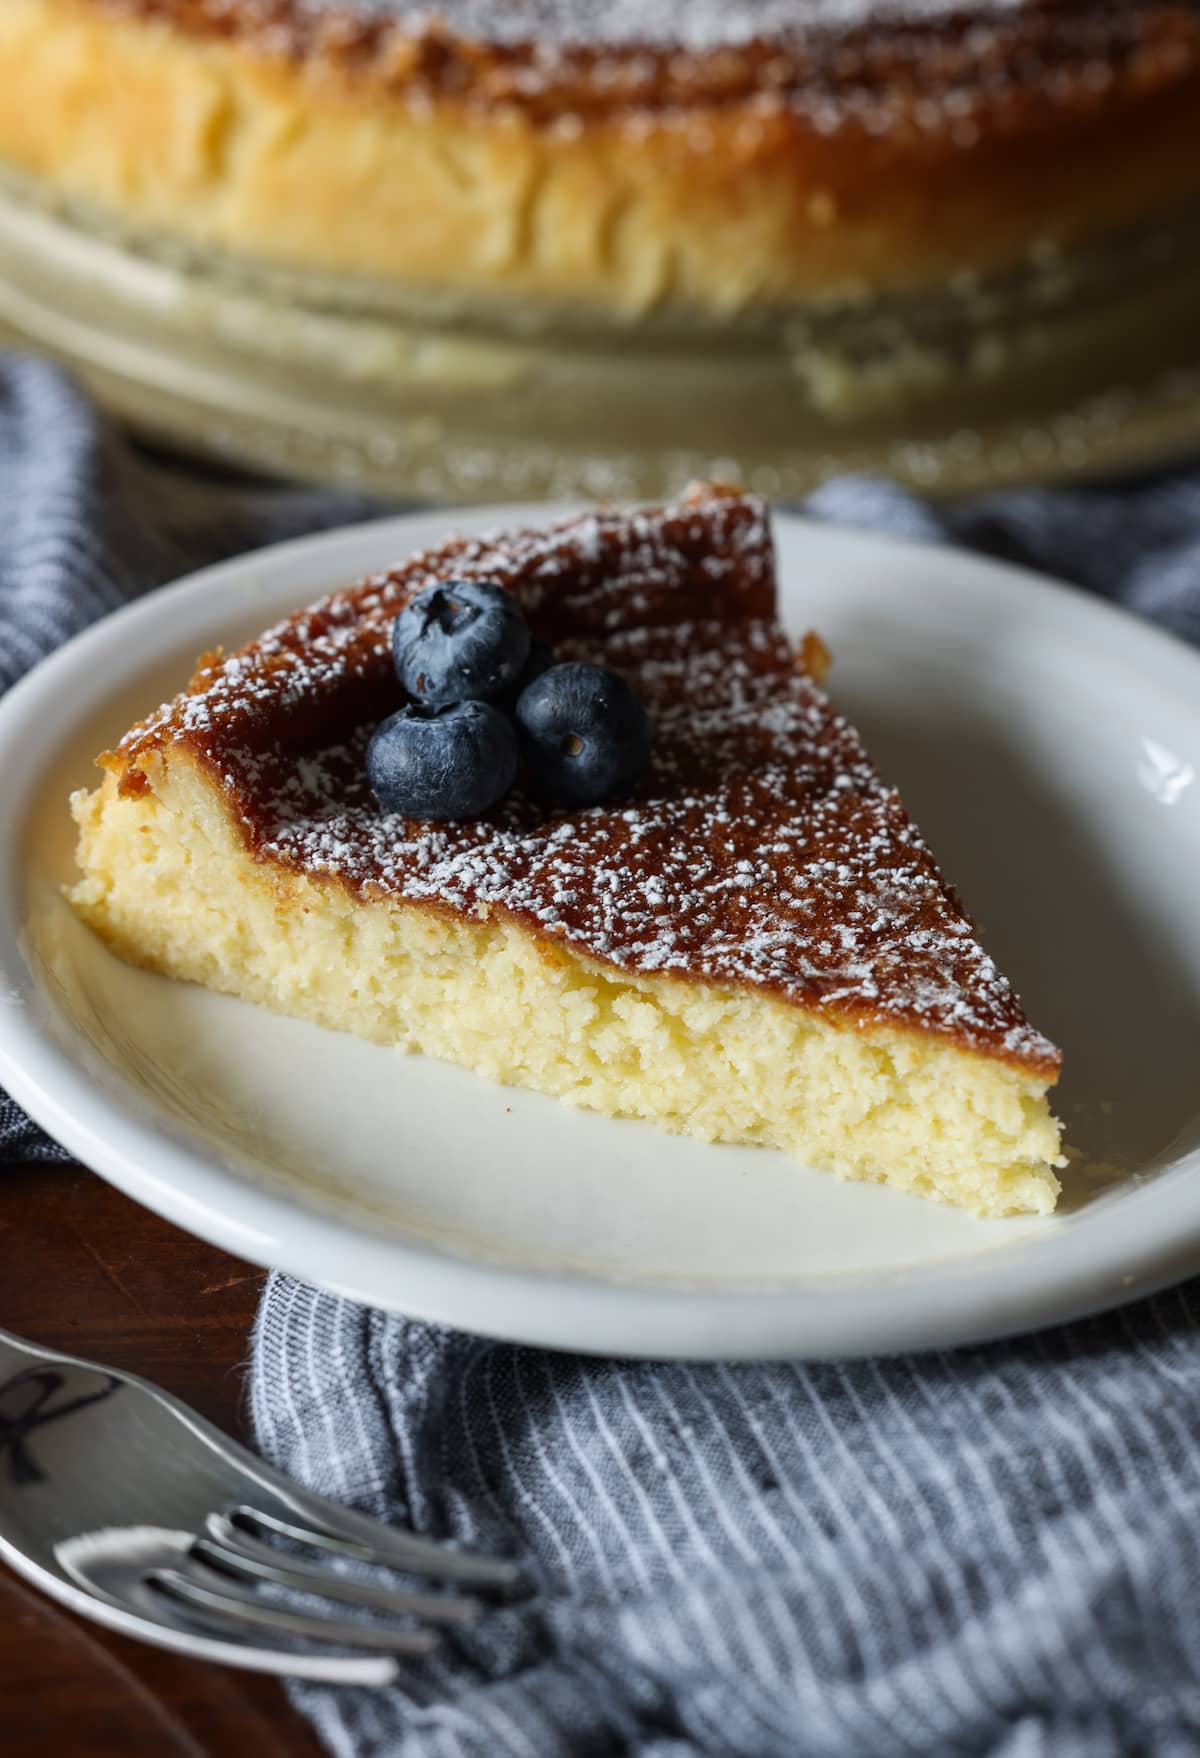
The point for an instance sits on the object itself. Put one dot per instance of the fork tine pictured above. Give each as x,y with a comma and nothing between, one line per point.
395,1550
239,1609
233,1552
96,1540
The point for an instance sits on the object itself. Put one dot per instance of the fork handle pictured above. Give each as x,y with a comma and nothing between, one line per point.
16,1354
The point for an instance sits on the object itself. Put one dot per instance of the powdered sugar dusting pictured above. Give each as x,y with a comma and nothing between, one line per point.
696,24
909,69
761,849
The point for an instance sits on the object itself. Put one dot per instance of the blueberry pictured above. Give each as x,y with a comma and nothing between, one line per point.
463,641
442,763
584,734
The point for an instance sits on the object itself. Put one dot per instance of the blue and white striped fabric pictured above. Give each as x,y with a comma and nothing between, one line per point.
991,1552
995,1552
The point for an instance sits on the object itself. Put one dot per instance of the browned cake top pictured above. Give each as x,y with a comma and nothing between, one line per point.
923,64
760,849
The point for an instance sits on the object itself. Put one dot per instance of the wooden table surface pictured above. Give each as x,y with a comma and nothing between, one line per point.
83,1268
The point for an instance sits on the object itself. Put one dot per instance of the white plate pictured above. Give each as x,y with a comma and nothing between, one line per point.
1049,747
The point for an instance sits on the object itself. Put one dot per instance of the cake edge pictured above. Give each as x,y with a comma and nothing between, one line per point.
726,205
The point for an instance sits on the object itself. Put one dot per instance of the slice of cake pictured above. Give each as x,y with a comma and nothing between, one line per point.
755,945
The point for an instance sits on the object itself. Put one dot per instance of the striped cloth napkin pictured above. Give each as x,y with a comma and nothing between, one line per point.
991,1552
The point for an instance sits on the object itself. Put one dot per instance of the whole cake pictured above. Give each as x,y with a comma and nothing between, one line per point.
752,943
613,158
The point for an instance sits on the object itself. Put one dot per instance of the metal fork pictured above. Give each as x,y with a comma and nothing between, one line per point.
121,1502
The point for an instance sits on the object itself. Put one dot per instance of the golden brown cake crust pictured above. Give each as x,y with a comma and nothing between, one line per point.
714,178
566,54
722,178
761,848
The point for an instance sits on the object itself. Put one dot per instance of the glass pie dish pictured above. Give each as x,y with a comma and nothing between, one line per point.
1082,362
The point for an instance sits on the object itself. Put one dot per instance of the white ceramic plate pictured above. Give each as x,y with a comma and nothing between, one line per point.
1048,745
